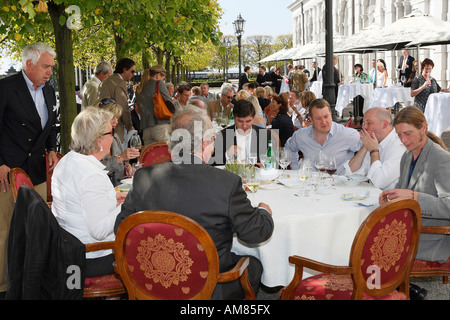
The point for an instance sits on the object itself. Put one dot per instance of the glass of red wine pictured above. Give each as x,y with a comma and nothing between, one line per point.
320,161
330,166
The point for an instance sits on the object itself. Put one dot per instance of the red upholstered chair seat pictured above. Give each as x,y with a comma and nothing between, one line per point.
168,260
423,265
334,287
155,153
380,260
109,281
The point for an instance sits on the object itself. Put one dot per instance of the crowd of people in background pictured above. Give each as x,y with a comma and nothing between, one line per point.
273,107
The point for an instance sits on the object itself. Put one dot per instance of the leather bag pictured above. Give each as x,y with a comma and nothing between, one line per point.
161,110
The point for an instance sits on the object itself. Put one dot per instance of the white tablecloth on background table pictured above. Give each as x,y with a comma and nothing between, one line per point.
388,97
347,92
321,230
437,112
316,88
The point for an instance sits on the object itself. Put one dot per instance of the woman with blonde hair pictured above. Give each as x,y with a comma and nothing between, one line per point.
84,200
260,117
242,94
116,161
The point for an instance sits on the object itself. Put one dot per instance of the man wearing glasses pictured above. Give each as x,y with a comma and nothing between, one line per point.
223,104
115,87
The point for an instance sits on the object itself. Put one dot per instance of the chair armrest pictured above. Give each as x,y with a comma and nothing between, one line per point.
99,246
236,272
435,230
239,272
319,266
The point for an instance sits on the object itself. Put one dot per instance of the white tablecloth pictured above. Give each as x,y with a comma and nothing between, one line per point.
348,91
388,97
321,230
437,112
316,88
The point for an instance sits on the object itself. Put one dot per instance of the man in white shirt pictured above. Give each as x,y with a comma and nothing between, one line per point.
379,158
90,89
323,135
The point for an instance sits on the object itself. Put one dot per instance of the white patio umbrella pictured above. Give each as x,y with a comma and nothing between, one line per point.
288,54
273,56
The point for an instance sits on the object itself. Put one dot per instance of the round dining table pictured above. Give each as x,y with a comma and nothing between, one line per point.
437,112
389,96
320,226
346,92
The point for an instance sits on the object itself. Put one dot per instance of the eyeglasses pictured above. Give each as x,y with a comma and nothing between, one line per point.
107,101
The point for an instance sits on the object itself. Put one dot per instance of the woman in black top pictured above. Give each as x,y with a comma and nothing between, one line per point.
282,122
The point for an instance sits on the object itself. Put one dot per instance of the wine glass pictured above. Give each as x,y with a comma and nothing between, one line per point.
262,158
284,160
252,158
319,161
403,79
252,182
304,172
330,166
135,142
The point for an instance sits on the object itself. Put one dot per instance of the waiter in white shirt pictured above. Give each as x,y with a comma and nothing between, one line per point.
379,158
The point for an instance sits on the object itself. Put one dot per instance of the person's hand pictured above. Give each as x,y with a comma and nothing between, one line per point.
393,194
120,197
129,170
129,153
265,206
52,160
369,140
4,184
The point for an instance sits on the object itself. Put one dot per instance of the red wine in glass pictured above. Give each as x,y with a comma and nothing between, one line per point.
331,171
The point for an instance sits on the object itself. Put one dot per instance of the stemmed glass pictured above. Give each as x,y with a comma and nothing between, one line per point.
135,142
284,160
252,182
330,166
262,158
304,172
252,158
319,161
403,79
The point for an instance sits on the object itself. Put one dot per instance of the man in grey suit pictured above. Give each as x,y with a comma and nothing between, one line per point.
90,89
212,197
424,176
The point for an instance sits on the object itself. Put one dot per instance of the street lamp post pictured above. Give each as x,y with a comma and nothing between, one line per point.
239,30
227,43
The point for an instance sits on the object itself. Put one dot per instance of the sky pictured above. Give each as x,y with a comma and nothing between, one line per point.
263,17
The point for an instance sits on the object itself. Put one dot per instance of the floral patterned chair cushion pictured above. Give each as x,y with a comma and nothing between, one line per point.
166,261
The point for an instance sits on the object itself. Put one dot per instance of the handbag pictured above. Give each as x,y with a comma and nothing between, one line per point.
161,111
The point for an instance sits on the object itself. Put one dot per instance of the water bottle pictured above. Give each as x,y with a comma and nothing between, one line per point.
270,158
231,118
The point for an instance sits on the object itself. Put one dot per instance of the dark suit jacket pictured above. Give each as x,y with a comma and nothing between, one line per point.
23,142
40,253
315,74
263,78
243,80
284,124
408,70
212,197
431,178
227,138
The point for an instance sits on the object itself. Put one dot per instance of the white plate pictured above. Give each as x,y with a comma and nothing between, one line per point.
127,181
272,186
123,187
291,182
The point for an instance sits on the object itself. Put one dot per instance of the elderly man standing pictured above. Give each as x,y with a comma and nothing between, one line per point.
324,135
90,89
223,104
27,131
379,158
214,198
115,87
299,80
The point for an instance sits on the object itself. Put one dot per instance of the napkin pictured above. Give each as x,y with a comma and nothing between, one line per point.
354,196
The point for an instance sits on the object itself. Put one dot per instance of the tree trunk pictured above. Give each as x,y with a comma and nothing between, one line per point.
167,66
66,72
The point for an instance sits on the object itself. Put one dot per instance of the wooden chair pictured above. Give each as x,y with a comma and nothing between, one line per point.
18,177
155,153
49,176
103,286
422,268
381,259
165,255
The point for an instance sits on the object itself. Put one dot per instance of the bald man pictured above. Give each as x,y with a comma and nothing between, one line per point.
379,157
